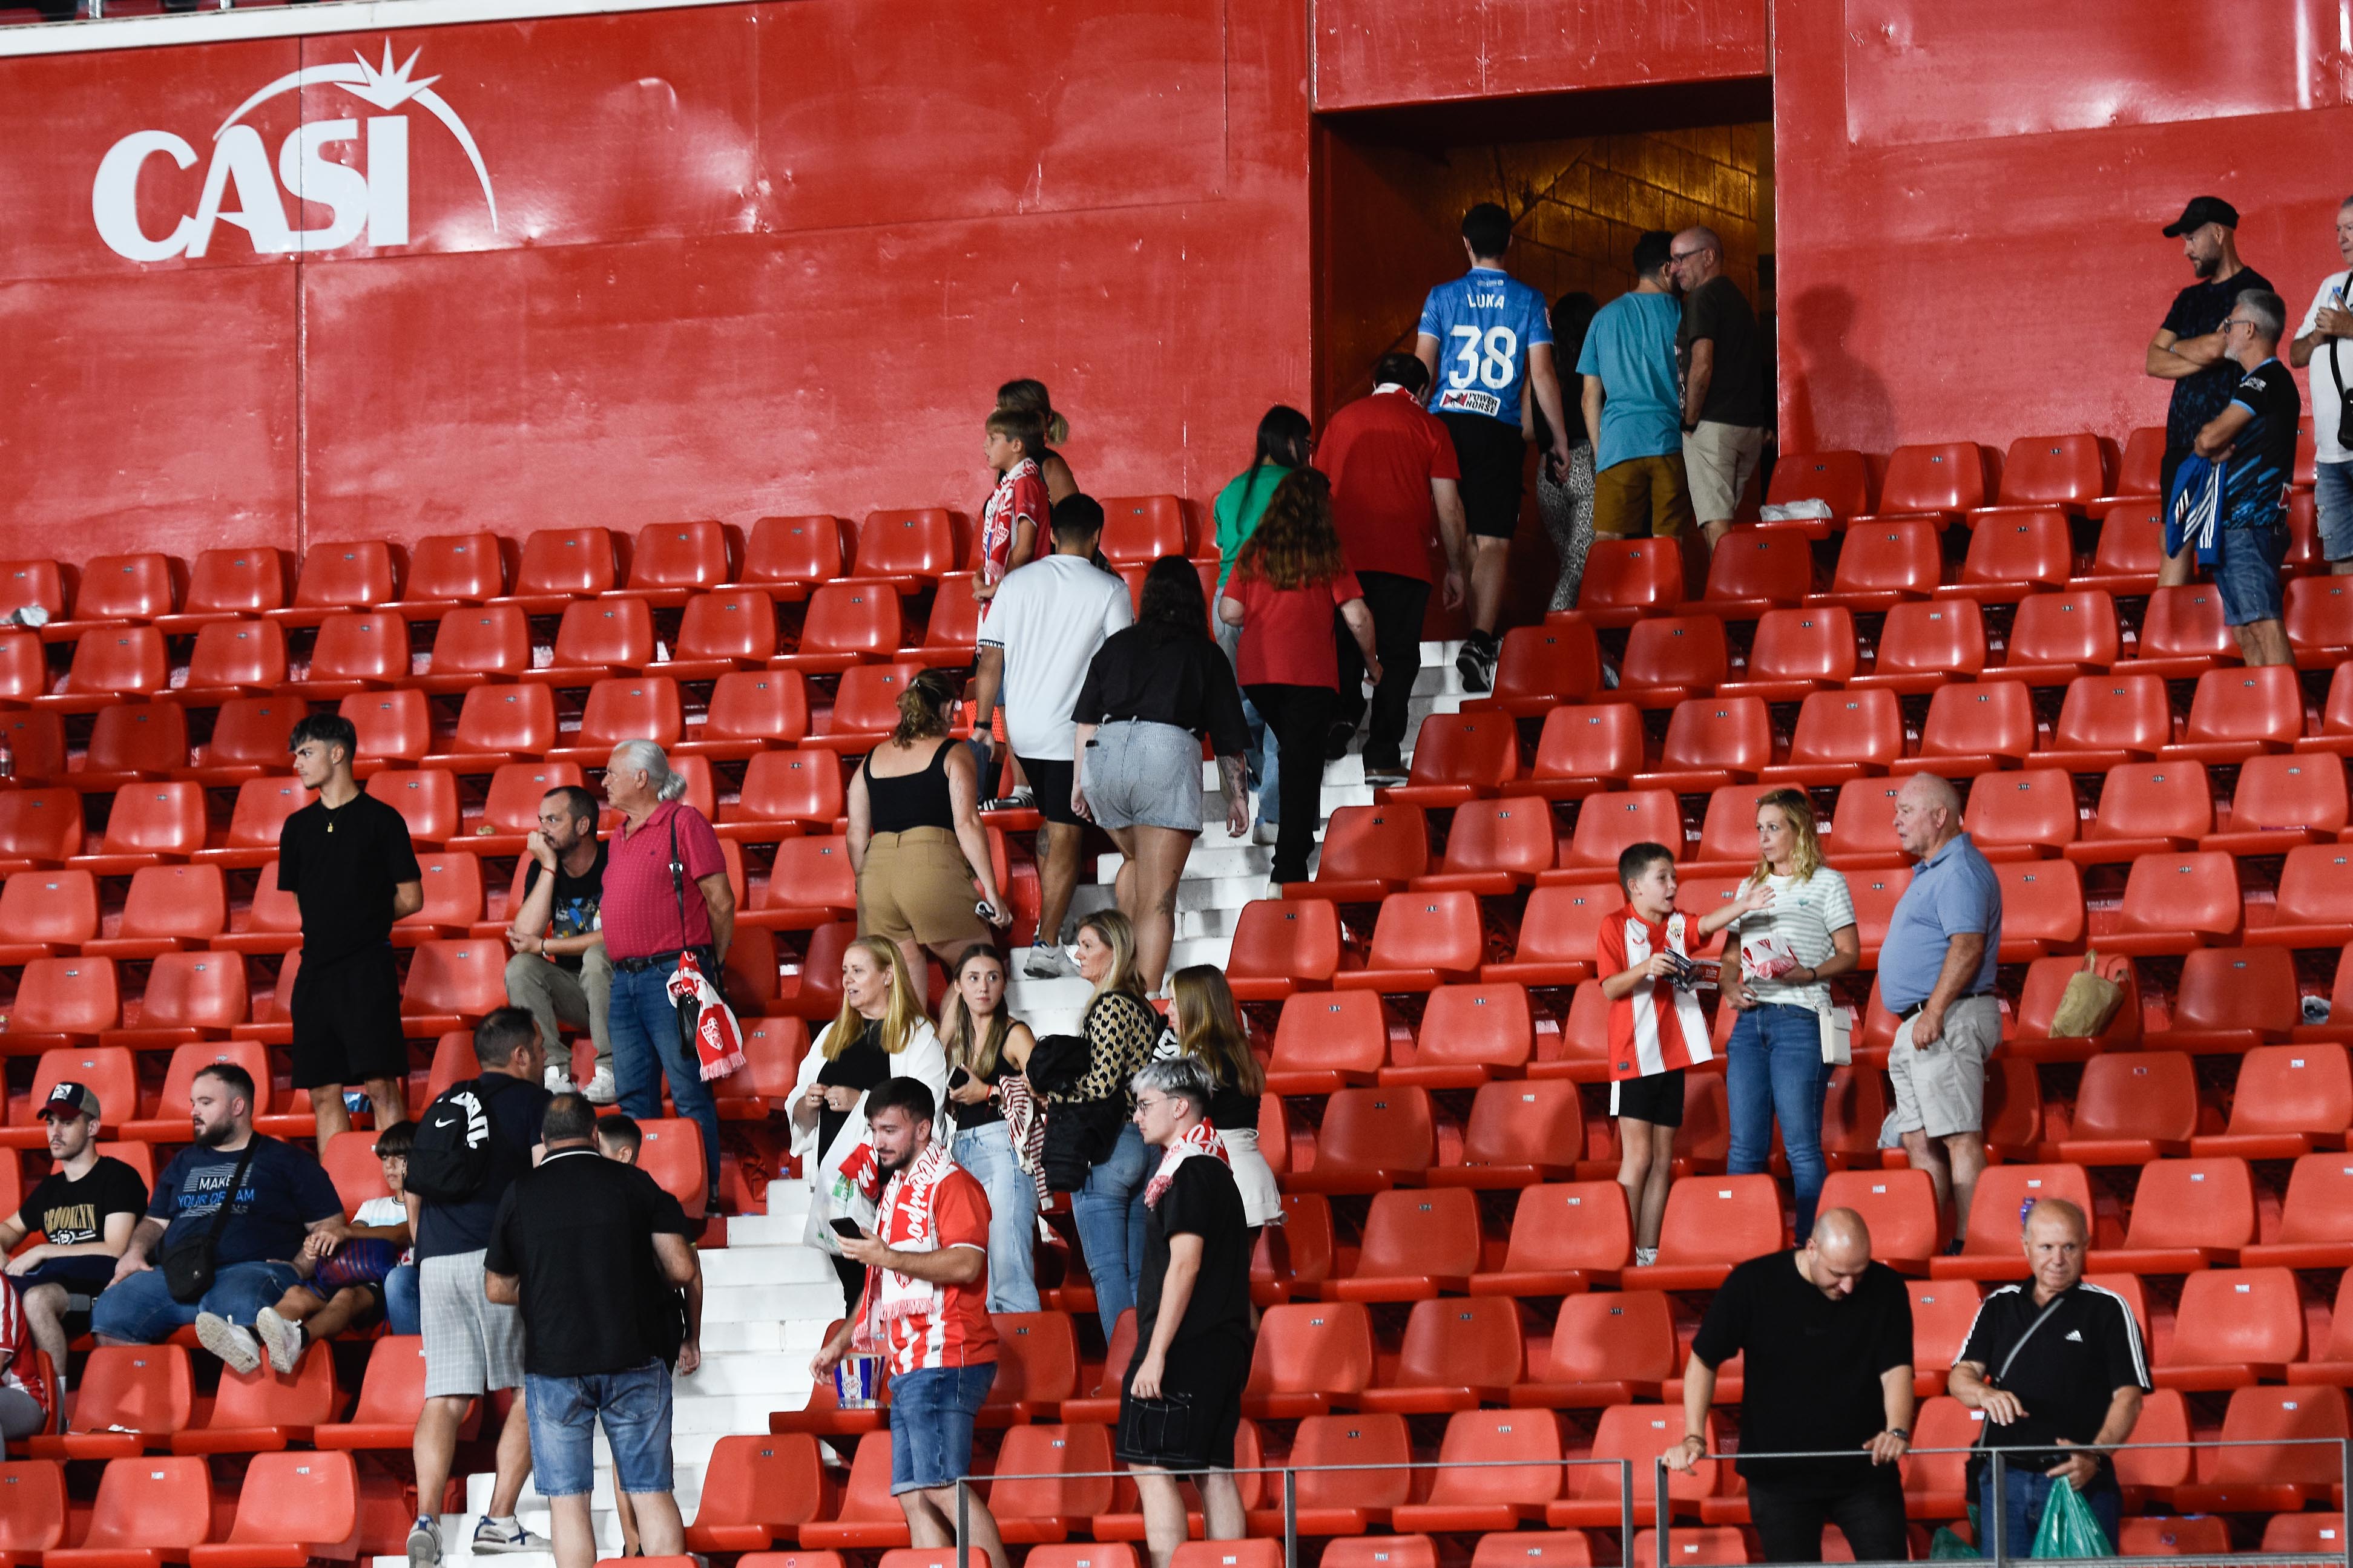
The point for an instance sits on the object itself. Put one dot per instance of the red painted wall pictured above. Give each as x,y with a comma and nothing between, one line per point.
1970,199
1380,53
750,260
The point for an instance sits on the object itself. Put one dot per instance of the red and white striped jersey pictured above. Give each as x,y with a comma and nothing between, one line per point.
1655,1028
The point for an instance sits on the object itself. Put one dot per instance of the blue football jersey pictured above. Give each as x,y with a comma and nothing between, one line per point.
1485,321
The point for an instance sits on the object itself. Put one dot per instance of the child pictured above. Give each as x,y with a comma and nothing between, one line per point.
1656,1028
619,1138
345,1272
1018,512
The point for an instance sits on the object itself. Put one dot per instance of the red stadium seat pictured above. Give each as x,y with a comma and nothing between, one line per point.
511,808
1372,1138
1608,1348
1037,1368
2318,618
562,564
1925,644
1468,1034
954,629
2029,814
110,663
790,555
62,1001
2314,907
1543,666
733,628
497,724
127,1398
2316,1218
1332,1500
672,1155
748,711
2054,470
1326,1041
1609,824
672,560
1582,751
390,726
2174,903
1420,942
2014,553
262,1411
598,637
131,741
149,823
223,583
2038,1003
123,588
357,650
39,828
149,1510
447,569
1943,479
2131,548
2056,638
188,996
1077,1459
784,793
1934,1484
2141,471
107,1071
913,549
292,1508
633,708
1795,652
865,707
2147,808
1669,658
1884,563
2270,1473
1486,1490
452,884
1640,1433
453,983
847,623
1753,569
1493,847
1710,741
1281,945
2105,719
2182,634
2231,999
427,800
1990,1248
1457,758
867,1517
2288,1101
352,575
757,1490
2335,732
1308,1358
1556,934
1417,1246
35,1519
2233,1326
1291,1260
2131,1109
1727,832
1712,1223
1840,480
1628,579
170,1122
1143,527
1841,735
1898,1206
2283,801
352,1165
810,885
36,737
44,913
248,740
1369,852
2237,714
1973,729
471,644
1943,1312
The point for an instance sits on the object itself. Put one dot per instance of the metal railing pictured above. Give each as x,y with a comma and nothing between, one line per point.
1995,1548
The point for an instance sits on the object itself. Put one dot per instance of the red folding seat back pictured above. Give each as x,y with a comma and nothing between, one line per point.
463,568
1716,739
2003,1193
1840,480
672,1155
1625,578
1322,1348
152,820
2060,629
1884,561
24,667
1460,756
643,708
2013,554
856,620
1282,943
2113,713
1675,652
351,1164
679,555
2286,1099
955,624
1558,929
2287,796
2318,1535
1495,846
1077,1460
369,645
1751,568
134,1389
1941,477
2184,626
170,1122
494,639
193,991
1714,1221
922,544
573,563
48,909
516,719
1727,830
732,624
757,1489
1497,1468
466,978
616,632
425,798
812,874
1326,1039
1615,1336
2131,548
2175,902
2258,708
762,707
107,1071
1540,665
1484,1026
1840,734
391,726
1813,647
1640,1433
1421,941
2250,991
1370,851
1420,1243
2054,470
248,1406
33,1507
1898,1207
2314,906
2032,811
290,1503
251,732
516,790
2141,471
1600,744
345,576
2133,1107
1370,1138
2262,1423
125,661
2148,806
792,786
1143,527
2236,1318
37,738
2318,618
124,588
1924,643
235,581
66,996
794,551
1609,824
135,738
146,1504
40,826
1345,1463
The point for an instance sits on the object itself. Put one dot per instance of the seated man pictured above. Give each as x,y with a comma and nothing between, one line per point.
85,1210
559,970
248,1201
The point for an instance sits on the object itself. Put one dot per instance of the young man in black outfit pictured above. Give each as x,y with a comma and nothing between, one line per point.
85,1210
1828,1335
347,860
2057,1364
2189,350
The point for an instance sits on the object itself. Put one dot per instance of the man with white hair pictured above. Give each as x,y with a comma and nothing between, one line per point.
2057,1363
2321,350
666,891
1935,975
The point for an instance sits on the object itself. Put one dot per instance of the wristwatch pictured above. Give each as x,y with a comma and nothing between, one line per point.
1902,1432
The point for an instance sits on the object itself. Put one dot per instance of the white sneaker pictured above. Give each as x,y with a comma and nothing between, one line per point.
424,1544
1645,1255
1263,832
1046,962
236,1346
515,1536
281,1337
600,1090
558,1080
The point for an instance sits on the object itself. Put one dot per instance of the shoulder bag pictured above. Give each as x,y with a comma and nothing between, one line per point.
188,1268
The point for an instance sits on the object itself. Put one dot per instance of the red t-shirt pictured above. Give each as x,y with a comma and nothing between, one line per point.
638,910
1287,632
962,1334
1380,453
23,1370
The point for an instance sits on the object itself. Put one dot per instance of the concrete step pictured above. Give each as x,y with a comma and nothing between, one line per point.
738,1374
754,1303
756,1231
724,1413
686,1480
740,1263
770,1336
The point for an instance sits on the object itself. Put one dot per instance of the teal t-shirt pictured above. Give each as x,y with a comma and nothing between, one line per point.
1238,507
1631,347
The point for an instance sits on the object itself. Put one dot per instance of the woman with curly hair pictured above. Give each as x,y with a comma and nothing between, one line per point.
1282,592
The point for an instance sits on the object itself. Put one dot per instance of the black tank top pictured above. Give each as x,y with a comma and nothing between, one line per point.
905,801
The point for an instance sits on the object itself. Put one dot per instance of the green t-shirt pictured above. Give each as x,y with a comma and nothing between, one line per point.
1238,507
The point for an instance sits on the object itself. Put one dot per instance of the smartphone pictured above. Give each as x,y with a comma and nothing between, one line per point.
846,1229
958,1078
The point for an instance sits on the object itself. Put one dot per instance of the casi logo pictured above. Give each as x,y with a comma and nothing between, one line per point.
241,186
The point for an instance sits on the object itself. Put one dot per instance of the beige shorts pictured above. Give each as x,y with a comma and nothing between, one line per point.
917,886
1718,461
1940,1089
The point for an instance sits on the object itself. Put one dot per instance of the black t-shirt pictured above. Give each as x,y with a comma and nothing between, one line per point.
2066,1373
73,1213
574,914
1165,675
578,1231
342,867
2197,310
862,1065
1718,312
515,1109
284,1194
1811,1377
1202,1201
2262,458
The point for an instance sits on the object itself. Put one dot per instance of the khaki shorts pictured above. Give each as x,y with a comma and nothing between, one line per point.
917,886
1642,495
1719,460
1940,1089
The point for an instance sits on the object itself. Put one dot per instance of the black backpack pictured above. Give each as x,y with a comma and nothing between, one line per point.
452,1155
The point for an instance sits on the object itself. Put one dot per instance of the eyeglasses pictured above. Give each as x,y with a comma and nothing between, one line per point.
2229,321
1146,1104
1684,255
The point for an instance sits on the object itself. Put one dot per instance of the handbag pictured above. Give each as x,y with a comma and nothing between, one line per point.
2344,395
188,1268
2087,1004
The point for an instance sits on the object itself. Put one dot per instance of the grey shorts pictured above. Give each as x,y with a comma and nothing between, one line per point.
473,1345
1940,1091
1141,774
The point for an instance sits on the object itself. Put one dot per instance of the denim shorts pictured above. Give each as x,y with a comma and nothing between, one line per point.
2332,497
1141,774
564,1411
2247,569
932,1412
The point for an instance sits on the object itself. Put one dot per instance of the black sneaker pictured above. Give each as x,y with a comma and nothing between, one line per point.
1384,772
1337,739
1476,663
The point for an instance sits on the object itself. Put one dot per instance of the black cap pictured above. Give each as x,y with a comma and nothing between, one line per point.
2201,211
70,1100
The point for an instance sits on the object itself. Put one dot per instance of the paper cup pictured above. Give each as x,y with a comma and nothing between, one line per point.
858,1382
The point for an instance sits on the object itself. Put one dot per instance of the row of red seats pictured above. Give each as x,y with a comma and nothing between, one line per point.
291,1509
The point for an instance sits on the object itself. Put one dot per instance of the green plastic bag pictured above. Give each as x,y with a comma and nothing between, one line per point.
1947,1545
2068,1528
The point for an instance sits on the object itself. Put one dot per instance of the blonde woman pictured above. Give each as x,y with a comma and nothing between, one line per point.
1788,949
1206,1025
1120,1029
881,1032
996,1123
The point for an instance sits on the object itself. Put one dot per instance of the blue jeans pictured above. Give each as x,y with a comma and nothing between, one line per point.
1773,1068
1260,758
932,1412
646,1049
141,1312
987,1152
635,1407
1109,1213
2332,497
2026,1489
403,1312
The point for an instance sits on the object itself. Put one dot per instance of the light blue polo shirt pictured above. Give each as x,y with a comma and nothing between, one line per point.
1953,892
1631,347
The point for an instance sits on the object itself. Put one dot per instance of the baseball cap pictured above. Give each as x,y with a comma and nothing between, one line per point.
2201,211
70,1100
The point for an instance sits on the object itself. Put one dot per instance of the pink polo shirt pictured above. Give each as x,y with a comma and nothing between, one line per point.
639,909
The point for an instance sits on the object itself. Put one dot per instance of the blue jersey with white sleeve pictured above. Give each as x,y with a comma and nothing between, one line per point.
1485,321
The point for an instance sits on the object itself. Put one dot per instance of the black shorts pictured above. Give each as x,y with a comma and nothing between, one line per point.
346,1018
1191,1426
1493,456
1657,1098
1051,782
85,1275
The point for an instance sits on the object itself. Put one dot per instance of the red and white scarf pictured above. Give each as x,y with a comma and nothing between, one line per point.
1199,1138
1025,1123
907,1227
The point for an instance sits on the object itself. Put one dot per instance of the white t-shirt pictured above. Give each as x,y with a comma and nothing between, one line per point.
1800,918
379,1212
1050,617
2322,397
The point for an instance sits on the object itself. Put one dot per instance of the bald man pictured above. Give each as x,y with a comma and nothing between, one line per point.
1828,1337
1726,405
1935,975
2056,1365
